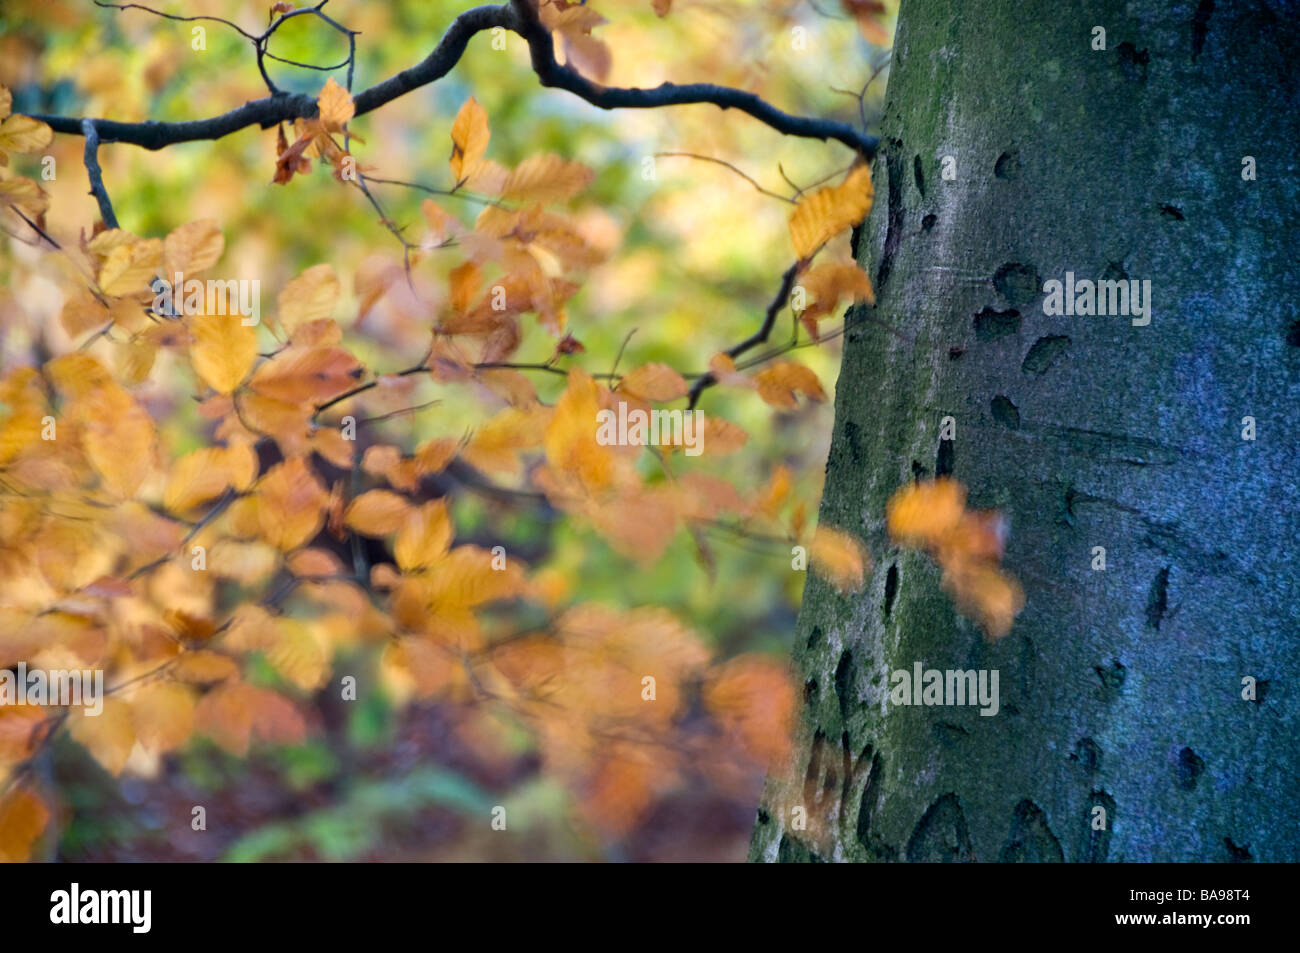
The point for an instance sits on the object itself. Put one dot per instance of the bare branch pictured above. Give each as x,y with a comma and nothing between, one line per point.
96,174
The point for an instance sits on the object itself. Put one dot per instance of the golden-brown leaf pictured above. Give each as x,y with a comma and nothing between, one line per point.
223,351
469,139
780,384
840,558
823,214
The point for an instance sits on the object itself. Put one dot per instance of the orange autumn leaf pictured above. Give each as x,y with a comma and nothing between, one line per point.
306,375
824,285
780,384
821,215
922,514
223,351
290,504
839,557
653,382
377,513
753,699
984,593
335,105
309,297
424,537
235,713
966,544
469,139
23,817
129,268
192,248
546,178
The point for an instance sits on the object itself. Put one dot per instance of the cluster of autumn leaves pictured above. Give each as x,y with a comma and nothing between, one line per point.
171,573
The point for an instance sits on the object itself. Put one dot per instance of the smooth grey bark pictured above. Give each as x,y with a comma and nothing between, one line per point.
1122,688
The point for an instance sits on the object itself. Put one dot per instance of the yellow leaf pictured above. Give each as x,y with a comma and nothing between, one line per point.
203,667
108,736
119,437
546,178
921,514
823,214
290,504
194,247
656,382
300,375
986,594
128,269
23,193
24,134
424,538
494,447
23,817
202,475
309,297
223,351
782,382
469,139
840,558
336,106
377,513
297,655
163,715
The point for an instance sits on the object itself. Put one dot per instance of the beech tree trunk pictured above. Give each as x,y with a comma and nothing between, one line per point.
1126,688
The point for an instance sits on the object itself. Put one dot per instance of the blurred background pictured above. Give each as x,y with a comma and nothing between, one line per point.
690,259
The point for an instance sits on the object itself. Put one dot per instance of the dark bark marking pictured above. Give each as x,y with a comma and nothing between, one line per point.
1172,212
1158,599
1018,283
955,352
919,472
918,174
1068,498
948,734
1190,768
1008,165
1086,754
1005,412
1120,447
891,588
1238,855
853,436
1031,839
1044,352
1201,26
815,638
846,672
991,324
792,851
928,221
946,458
1293,334
894,228
1095,844
1112,679
1133,62
941,835
764,817
810,688
870,840
1115,271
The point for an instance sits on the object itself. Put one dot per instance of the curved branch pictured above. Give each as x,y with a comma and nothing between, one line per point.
517,17
541,46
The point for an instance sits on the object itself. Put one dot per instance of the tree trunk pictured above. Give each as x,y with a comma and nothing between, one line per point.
1120,688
